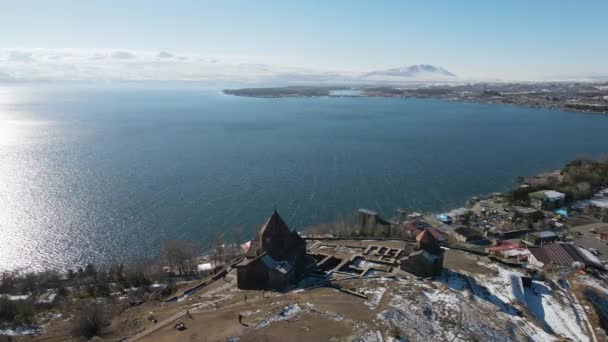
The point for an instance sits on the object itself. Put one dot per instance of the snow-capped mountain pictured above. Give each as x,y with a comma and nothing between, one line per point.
412,72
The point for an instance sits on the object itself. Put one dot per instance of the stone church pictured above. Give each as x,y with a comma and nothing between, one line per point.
274,259
427,260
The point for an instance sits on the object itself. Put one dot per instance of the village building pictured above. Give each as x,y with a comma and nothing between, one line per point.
540,238
529,214
427,258
511,234
438,234
459,214
273,260
509,252
562,255
414,227
466,234
414,216
444,218
547,199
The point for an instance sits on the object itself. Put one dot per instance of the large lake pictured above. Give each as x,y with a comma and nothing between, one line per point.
98,173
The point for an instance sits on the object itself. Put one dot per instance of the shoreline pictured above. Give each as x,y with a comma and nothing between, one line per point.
589,98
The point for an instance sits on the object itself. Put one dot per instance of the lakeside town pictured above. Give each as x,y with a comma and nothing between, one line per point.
589,97
529,264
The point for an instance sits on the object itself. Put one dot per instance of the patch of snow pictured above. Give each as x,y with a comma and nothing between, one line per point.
15,297
362,263
593,283
364,334
249,313
286,313
20,331
506,284
343,249
374,273
293,310
326,247
563,319
374,296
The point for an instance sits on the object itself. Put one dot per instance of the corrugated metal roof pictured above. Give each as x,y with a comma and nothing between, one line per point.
537,195
552,194
546,234
417,224
547,194
561,254
526,210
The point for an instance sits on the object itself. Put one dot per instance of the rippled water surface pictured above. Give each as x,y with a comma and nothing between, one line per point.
98,173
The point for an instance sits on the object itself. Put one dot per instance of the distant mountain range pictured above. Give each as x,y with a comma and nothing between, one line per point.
419,72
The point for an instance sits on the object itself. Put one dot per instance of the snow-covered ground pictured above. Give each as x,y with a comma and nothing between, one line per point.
460,306
491,307
557,311
561,315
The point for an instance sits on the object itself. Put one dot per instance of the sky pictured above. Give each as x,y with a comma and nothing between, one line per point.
474,39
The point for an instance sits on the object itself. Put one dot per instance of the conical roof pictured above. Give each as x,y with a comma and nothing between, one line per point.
427,241
274,225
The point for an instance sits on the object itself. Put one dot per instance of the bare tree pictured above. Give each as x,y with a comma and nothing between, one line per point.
180,255
237,236
218,249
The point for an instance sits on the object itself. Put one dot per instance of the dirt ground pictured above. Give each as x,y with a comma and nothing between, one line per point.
222,323
590,239
461,261
579,220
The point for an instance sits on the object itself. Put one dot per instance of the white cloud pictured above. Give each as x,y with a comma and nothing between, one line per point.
140,65
165,54
91,65
122,55
20,56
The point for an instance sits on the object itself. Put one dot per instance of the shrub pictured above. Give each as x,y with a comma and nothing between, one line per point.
89,321
16,312
169,289
137,278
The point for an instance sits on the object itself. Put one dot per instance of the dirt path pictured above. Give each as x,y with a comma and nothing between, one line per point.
181,314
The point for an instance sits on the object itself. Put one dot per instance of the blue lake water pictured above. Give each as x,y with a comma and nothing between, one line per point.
106,172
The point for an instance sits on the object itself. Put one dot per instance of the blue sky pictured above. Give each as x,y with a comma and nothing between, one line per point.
503,39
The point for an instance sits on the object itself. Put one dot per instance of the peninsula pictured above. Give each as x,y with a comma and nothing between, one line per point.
571,96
